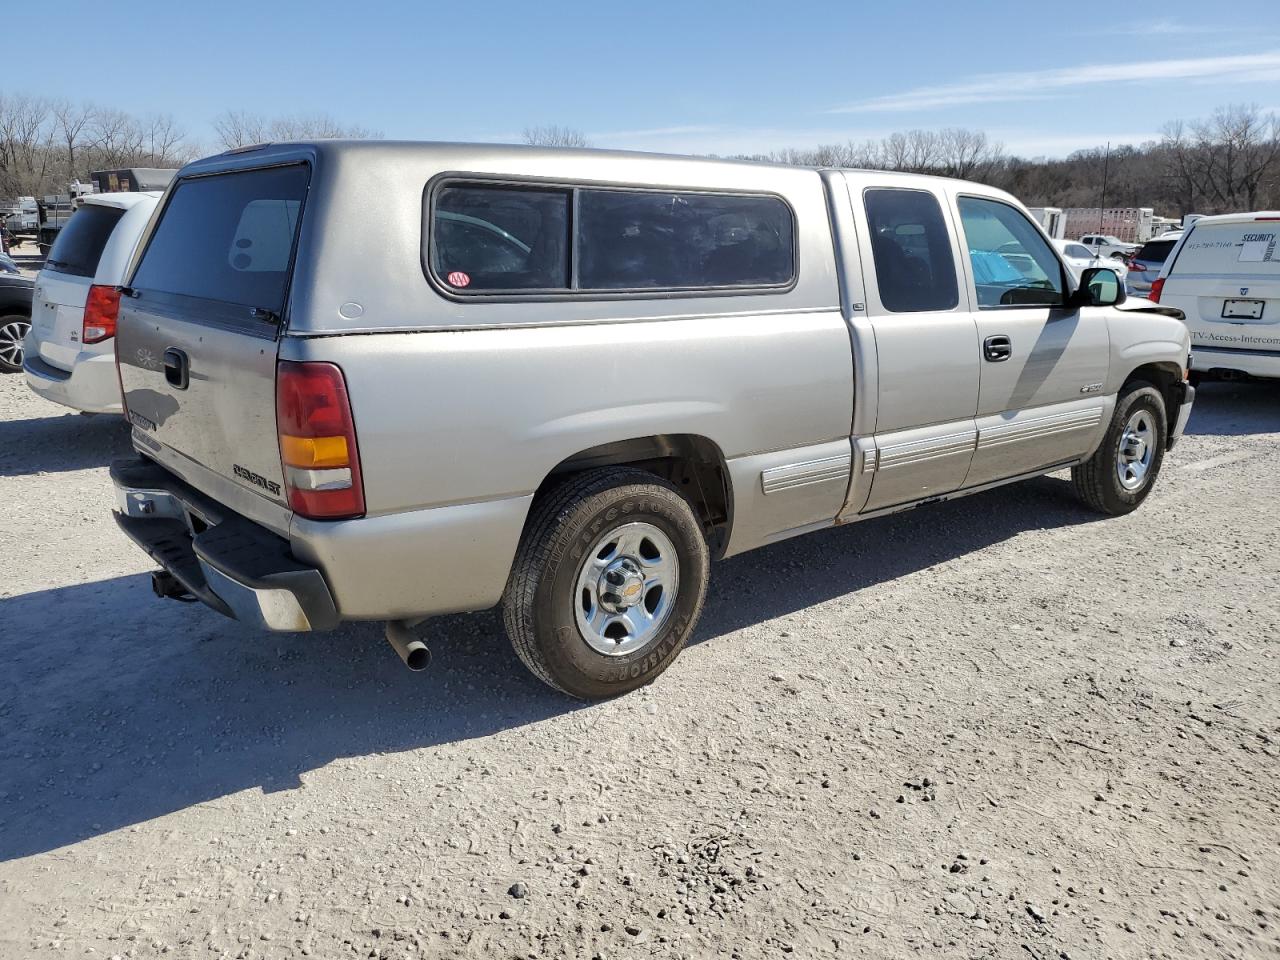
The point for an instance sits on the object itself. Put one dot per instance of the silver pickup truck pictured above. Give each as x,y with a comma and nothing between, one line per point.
384,381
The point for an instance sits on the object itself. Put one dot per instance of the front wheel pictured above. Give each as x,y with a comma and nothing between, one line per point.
13,328
608,582
1123,469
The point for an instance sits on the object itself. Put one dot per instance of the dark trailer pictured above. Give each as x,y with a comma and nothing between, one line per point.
131,179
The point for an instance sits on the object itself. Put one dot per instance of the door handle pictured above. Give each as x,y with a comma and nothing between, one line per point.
997,348
177,370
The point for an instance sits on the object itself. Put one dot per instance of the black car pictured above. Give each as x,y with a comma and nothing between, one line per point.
15,319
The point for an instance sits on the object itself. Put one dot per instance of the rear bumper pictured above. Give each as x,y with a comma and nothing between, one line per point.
90,385
1255,363
229,563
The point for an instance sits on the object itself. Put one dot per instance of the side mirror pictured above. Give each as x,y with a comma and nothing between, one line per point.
1099,287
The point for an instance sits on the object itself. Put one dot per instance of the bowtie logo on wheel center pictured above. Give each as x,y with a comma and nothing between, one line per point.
621,585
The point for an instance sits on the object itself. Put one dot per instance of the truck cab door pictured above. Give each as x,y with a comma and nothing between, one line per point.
1044,364
926,344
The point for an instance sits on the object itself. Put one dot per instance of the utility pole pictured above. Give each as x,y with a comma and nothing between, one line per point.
1102,204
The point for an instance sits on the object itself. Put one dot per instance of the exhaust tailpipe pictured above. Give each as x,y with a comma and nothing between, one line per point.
412,651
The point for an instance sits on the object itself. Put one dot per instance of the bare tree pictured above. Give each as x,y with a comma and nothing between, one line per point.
70,121
117,139
555,136
24,143
238,128
165,142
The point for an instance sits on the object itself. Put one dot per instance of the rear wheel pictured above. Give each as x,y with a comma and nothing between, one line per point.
608,582
13,328
1123,469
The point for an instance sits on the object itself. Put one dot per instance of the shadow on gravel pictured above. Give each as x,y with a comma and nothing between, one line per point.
1236,408
798,573
118,708
55,444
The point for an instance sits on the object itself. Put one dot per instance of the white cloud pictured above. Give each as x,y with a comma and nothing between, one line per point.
1040,84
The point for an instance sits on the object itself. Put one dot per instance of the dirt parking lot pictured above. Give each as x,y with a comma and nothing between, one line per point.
999,727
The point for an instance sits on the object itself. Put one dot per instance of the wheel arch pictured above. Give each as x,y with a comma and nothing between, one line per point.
1165,376
694,464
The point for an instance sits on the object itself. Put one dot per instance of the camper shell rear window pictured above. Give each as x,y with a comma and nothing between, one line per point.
228,238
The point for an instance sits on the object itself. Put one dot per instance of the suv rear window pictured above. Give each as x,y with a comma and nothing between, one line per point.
1155,251
227,237
79,244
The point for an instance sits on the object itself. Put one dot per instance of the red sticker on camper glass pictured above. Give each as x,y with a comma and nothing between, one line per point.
459,279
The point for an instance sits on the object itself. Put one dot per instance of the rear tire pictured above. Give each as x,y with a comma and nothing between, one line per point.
13,328
1122,471
608,582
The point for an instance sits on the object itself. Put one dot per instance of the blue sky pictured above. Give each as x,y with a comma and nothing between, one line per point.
705,77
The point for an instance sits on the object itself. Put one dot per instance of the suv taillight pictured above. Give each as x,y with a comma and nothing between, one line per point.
1156,287
100,310
318,441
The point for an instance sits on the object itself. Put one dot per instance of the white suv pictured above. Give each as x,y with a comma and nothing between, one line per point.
1224,275
69,353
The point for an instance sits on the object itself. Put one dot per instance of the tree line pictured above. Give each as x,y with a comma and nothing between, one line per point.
1228,161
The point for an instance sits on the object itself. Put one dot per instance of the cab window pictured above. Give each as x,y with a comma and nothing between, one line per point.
1013,265
915,271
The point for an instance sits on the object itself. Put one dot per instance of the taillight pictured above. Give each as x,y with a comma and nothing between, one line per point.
1137,267
1156,287
100,310
318,441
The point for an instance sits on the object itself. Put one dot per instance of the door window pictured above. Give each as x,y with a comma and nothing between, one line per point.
1013,266
915,271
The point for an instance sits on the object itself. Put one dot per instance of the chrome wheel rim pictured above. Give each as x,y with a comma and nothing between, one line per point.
626,588
1137,449
11,336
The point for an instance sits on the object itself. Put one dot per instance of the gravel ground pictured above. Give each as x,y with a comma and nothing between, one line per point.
999,727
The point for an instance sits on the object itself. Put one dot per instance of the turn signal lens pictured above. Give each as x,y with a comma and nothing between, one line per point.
318,441
100,310
312,452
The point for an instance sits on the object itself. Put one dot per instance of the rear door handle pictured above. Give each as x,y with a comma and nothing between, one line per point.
177,370
997,348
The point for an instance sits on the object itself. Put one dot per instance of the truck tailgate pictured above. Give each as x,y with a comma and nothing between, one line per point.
199,326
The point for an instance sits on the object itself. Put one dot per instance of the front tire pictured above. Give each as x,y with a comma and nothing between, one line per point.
1122,471
608,582
13,328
